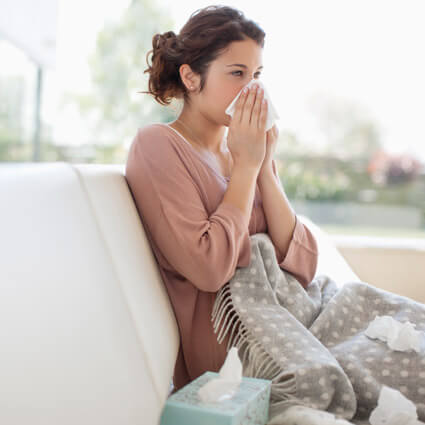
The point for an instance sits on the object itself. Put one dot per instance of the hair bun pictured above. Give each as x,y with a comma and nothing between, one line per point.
169,34
168,37
165,40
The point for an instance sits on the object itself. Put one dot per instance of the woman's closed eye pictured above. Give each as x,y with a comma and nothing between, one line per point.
257,74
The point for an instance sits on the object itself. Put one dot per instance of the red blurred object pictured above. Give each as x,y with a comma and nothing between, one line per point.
385,168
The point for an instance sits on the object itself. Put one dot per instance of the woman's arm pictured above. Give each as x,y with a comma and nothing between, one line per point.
280,216
203,248
296,247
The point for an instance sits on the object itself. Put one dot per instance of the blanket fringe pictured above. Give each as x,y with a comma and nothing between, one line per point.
257,362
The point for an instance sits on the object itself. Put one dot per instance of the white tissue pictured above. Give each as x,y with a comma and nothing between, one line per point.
399,336
224,387
272,115
393,409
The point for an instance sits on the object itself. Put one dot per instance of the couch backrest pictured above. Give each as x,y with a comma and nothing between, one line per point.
87,332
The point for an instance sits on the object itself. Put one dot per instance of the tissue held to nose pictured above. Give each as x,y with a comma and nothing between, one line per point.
272,115
225,386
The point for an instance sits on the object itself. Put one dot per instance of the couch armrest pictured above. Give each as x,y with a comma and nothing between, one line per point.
330,261
393,264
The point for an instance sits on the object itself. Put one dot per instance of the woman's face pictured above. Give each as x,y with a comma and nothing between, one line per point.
227,75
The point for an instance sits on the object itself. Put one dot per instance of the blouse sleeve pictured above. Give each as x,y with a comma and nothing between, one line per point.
204,249
302,256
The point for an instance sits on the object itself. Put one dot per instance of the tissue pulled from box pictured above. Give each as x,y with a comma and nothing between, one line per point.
272,115
399,336
225,386
394,409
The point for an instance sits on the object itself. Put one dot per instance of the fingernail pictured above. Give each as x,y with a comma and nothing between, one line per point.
245,90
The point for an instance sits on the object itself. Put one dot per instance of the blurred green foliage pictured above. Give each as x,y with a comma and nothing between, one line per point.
319,178
114,108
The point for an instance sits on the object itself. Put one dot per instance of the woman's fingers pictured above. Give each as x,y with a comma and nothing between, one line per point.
256,110
247,110
239,107
262,119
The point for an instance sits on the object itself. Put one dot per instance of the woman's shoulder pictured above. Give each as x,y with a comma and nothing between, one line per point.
154,137
158,130
157,143
155,151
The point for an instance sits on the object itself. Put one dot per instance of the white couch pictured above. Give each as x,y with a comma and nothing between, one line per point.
87,332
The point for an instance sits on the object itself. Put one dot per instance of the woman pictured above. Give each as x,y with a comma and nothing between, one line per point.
201,195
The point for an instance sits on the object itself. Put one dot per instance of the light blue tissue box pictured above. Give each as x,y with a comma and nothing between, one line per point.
249,405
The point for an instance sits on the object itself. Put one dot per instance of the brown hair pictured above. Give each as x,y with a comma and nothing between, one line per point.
202,39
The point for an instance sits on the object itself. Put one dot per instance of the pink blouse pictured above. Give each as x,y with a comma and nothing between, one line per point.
197,240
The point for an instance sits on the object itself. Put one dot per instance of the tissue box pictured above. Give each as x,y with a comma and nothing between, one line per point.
249,405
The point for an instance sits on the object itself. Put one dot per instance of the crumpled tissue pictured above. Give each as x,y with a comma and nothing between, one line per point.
225,386
272,115
394,409
399,336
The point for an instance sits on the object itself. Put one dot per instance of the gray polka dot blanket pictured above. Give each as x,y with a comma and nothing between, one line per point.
311,342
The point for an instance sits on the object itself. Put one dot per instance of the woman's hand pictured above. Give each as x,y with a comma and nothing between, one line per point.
272,136
246,138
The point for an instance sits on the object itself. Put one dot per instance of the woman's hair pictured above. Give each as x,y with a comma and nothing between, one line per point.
202,39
